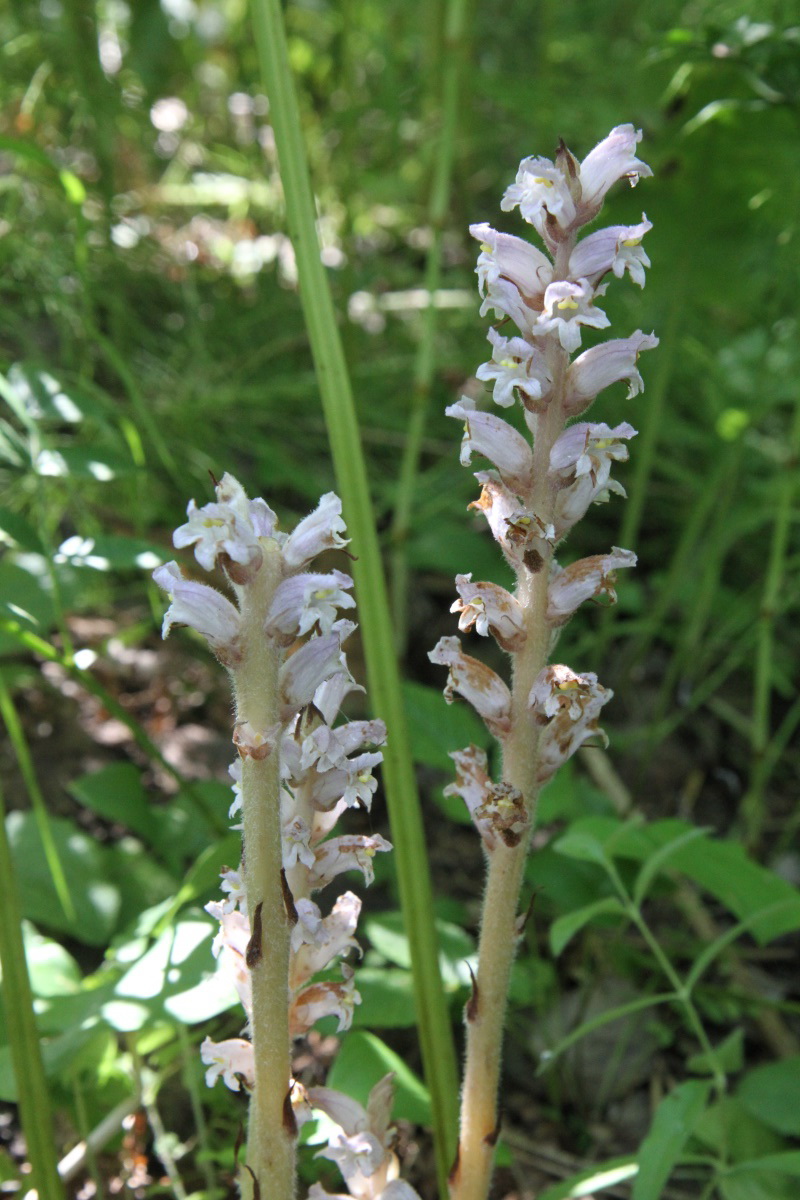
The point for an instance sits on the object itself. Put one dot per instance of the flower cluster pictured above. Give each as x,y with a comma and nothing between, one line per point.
285,616
538,489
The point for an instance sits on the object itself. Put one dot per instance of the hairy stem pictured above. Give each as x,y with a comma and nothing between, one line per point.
486,1013
270,1161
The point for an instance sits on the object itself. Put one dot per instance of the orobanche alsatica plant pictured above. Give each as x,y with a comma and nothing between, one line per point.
296,772
531,500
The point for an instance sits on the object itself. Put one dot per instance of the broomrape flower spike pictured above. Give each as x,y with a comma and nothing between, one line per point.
296,771
539,485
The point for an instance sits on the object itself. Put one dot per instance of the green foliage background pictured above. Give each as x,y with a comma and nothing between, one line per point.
152,333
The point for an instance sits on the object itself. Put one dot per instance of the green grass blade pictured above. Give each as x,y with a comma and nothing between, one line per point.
407,831
16,736
33,1093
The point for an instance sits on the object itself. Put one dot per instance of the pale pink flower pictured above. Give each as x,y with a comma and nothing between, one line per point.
495,439
580,466
583,580
218,531
543,194
314,662
476,682
616,248
319,531
303,602
603,365
612,159
202,608
504,256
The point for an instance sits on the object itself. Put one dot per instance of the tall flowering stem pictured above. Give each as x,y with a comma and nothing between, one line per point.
296,772
532,497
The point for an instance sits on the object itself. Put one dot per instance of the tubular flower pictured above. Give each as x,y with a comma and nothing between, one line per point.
516,364
490,609
299,768
485,690
531,499
583,580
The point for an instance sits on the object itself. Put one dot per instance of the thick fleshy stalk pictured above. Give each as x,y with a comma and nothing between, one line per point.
531,499
485,1017
270,1143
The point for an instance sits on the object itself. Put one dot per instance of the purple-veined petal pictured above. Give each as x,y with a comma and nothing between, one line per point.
617,248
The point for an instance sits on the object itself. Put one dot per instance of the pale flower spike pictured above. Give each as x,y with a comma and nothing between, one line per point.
281,636
545,474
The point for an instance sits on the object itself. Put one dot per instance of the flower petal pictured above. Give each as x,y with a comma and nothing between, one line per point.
495,439
476,682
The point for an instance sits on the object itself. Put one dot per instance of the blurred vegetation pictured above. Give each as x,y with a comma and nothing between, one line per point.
152,333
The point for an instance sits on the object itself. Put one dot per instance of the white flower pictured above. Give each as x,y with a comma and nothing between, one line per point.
603,365
617,248
490,609
503,256
296,842
232,1059
319,1000
583,580
568,306
580,467
351,852
316,660
611,159
543,193
495,439
223,530
304,601
201,608
484,690
319,531
517,364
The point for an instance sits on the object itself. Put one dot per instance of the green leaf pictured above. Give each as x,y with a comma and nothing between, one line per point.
657,861
387,935
25,598
672,1125
548,1057
437,728
387,999
80,462
772,1093
52,969
362,1060
109,552
583,845
787,1162
587,1183
88,871
565,928
733,1133
175,979
16,531
729,1055
116,793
